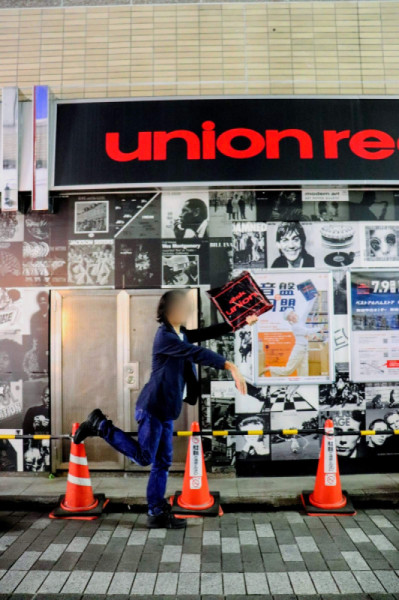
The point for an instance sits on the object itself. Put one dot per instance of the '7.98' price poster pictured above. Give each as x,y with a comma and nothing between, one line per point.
374,325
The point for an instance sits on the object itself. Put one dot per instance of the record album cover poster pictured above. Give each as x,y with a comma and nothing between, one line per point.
326,210
243,357
381,420
249,245
292,342
227,206
342,393
91,262
180,269
279,205
11,227
380,244
11,404
297,245
11,263
137,263
382,395
185,215
11,452
373,205
294,398
253,449
138,215
256,400
91,216
351,421
302,446
220,260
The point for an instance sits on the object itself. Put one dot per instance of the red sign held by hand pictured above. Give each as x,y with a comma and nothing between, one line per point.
238,299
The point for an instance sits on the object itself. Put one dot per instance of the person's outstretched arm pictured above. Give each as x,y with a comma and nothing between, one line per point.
214,331
169,344
208,333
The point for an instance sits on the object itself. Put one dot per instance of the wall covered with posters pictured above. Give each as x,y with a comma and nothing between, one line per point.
328,260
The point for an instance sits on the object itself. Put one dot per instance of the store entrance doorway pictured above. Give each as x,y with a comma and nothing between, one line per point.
101,343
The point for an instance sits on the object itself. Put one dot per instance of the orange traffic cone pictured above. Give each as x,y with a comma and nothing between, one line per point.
196,499
79,501
327,497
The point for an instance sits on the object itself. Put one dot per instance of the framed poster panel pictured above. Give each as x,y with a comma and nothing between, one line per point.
374,320
293,341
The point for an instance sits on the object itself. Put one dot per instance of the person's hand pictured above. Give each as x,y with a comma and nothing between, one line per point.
239,380
251,320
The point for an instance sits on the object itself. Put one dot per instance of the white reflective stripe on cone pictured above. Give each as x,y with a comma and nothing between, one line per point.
78,460
79,480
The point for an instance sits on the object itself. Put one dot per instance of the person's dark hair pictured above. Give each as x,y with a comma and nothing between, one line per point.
390,414
291,227
371,426
166,302
198,204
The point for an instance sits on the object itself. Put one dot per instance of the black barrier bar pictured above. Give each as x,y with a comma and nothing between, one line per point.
215,433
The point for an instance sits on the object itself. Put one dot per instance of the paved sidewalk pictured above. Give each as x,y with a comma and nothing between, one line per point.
281,555
367,490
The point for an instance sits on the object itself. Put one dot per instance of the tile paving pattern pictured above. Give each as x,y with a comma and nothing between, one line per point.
264,556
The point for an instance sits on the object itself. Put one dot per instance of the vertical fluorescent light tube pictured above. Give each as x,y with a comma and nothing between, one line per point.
40,187
9,159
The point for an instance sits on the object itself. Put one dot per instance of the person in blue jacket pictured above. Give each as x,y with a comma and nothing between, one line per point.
173,377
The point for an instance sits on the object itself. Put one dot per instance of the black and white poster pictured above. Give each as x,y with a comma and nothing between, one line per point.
379,420
380,244
373,205
91,216
279,205
256,400
138,263
91,262
11,263
11,451
11,403
351,421
301,446
11,227
382,395
227,206
180,265
342,393
305,245
253,449
220,261
185,216
138,215
243,345
249,245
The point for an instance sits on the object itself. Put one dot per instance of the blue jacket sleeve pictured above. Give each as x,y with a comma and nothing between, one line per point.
170,344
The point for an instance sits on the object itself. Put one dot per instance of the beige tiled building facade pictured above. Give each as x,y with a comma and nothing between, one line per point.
129,49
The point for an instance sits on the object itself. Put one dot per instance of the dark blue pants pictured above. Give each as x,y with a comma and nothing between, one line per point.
152,447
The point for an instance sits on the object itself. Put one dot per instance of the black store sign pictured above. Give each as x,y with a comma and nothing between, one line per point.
227,140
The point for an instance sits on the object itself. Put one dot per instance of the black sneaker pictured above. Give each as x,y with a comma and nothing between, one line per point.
165,521
90,427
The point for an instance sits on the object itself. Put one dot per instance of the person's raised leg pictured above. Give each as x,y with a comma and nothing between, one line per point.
141,452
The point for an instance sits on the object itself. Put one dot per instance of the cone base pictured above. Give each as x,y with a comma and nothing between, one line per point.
87,514
315,511
211,511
